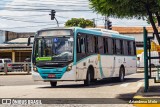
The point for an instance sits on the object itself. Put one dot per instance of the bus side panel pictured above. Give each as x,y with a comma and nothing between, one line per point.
107,62
81,69
119,61
131,65
70,75
83,65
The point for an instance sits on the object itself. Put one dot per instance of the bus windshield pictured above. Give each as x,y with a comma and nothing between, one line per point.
54,49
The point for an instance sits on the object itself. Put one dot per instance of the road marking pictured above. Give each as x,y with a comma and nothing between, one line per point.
124,85
139,84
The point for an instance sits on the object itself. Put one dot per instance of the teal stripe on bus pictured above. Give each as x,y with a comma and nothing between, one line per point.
119,36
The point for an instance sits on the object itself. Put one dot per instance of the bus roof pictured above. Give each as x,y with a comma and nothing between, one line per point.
52,28
107,33
104,30
96,31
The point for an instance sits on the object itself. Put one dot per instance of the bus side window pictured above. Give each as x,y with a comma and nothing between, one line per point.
114,46
78,45
96,44
110,46
81,43
105,41
125,47
129,47
121,47
132,44
118,47
90,44
100,45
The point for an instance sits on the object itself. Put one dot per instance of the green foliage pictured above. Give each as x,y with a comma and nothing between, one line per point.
154,19
140,9
80,22
125,8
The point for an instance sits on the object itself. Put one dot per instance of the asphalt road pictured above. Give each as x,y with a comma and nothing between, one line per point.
22,86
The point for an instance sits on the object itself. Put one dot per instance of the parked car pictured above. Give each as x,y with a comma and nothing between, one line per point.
27,60
154,62
9,65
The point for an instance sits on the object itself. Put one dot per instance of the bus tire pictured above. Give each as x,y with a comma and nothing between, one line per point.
121,74
53,83
87,82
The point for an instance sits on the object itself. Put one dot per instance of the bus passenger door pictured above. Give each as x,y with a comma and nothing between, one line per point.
81,54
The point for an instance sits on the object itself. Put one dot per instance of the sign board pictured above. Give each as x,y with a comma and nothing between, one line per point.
57,32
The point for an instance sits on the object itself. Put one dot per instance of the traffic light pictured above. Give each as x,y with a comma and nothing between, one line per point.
52,14
109,25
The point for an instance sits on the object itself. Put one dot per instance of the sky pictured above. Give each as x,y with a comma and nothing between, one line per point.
32,15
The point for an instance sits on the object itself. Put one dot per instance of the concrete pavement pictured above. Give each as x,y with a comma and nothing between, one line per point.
152,94
22,86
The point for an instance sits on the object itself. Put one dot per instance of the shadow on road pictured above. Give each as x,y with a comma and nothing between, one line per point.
99,83
126,95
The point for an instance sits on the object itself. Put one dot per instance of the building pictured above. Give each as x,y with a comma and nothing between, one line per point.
136,32
14,46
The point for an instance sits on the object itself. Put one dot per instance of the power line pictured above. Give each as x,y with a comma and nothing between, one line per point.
43,5
30,26
23,16
45,10
61,16
12,19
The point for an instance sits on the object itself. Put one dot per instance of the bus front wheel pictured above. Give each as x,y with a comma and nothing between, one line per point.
121,74
87,82
53,83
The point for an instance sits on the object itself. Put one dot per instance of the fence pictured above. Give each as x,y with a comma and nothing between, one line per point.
17,67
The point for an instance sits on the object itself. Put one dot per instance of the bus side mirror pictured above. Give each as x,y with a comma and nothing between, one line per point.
29,41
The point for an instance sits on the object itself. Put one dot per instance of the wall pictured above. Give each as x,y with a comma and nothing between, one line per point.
2,37
13,35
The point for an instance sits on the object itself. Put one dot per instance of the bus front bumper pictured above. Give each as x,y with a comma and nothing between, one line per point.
67,76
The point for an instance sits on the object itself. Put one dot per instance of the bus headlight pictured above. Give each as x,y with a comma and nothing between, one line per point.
35,69
69,68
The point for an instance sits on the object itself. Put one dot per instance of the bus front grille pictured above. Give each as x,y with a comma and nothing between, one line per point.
58,72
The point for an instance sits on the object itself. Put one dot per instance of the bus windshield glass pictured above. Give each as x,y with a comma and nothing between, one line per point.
54,49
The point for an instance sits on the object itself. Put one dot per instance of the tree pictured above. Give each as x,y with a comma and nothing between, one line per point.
80,22
140,9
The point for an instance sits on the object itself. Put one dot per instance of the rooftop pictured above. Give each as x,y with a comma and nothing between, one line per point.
130,30
20,41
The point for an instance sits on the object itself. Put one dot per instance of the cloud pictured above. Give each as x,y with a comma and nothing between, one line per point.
32,15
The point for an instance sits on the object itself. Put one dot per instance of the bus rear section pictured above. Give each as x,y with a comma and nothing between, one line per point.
104,55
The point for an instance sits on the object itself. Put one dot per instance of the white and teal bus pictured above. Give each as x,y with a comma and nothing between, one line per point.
78,54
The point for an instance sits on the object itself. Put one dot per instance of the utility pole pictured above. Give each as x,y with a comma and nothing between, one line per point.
94,25
105,24
108,23
53,16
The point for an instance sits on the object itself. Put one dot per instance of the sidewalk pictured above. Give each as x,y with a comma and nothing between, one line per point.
153,95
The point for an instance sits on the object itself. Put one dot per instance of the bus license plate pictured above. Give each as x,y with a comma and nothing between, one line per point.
51,75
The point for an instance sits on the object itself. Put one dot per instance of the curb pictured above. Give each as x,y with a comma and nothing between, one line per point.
139,96
15,73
